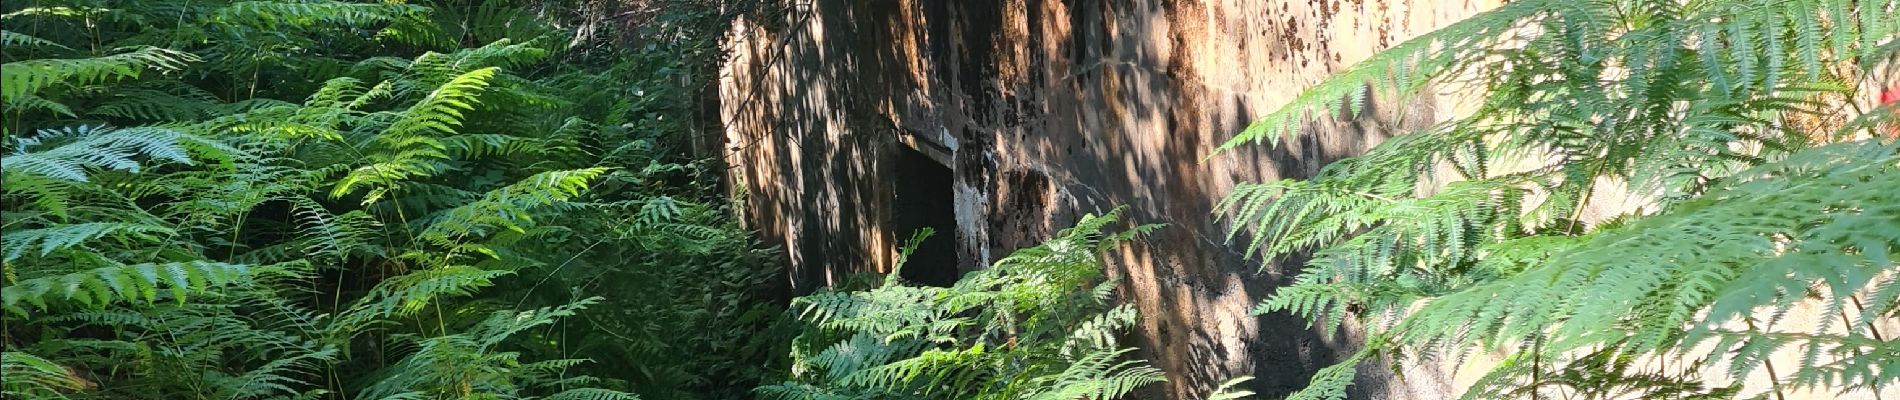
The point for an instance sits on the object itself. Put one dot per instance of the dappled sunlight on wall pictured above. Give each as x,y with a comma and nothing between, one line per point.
1078,105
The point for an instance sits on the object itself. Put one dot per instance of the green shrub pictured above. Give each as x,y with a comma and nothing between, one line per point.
307,199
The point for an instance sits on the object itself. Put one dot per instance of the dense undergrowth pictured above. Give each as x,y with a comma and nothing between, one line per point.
502,199
324,199
1038,324
451,200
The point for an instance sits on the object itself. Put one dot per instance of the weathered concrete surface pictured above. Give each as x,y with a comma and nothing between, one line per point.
1047,110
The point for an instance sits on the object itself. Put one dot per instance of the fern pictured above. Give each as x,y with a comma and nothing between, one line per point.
1230,390
1331,382
32,377
274,15
466,365
408,147
44,241
13,39
1031,326
293,199
22,78
409,293
591,394
107,285
1402,68
107,148
155,104
1692,107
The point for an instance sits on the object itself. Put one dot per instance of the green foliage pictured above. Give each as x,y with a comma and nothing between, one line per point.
1705,112
132,282
27,77
1036,325
29,376
1230,390
317,199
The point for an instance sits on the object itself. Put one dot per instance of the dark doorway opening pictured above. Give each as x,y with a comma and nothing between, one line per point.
925,200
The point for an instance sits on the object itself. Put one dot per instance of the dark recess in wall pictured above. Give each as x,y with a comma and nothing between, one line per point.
923,200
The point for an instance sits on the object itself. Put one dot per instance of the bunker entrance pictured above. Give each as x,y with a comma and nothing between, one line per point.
924,200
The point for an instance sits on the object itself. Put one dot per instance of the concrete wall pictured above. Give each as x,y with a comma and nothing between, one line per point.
1047,110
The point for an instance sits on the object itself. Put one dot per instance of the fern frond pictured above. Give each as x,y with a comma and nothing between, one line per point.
28,103
474,146
1330,383
155,105
44,241
441,111
508,207
32,377
1403,68
109,149
278,14
1031,326
409,293
21,78
1230,390
412,145
592,394
102,286
13,39
1812,219
1097,376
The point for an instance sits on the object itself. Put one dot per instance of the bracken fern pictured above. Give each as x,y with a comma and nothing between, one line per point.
1701,110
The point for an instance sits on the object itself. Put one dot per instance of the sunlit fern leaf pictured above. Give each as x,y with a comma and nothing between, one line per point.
1033,325
25,77
91,147
140,282
335,237
411,147
657,210
1821,211
32,377
436,68
509,207
1231,390
410,293
1098,376
468,363
1689,105
1402,68
1311,297
13,40
1100,332
930,366
505,324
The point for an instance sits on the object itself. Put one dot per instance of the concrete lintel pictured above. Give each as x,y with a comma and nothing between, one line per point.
934,147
